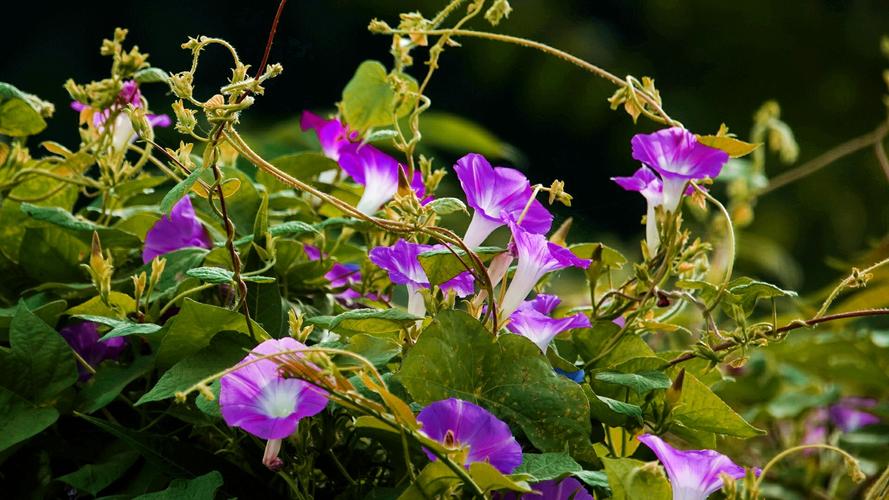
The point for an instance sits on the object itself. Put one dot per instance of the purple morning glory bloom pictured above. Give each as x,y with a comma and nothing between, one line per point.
341,276
554,489
259,400
532,320
178,230
403,264
377,172
536,257
123,128
461,424
650,186
678,157
332,134
694,474
83,337
497,195
848,416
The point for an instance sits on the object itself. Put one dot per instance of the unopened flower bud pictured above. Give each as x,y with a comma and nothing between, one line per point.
499,10
378,27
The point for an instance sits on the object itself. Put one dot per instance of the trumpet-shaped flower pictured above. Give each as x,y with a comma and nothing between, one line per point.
848,414
403,263
123,131
259,400
83,337
497,194
536,257
180,229
553,489
678,157
532,320
460,424
694,474
332,134
377,172
341,276
649,186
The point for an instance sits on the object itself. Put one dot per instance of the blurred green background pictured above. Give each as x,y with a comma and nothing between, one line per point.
713,62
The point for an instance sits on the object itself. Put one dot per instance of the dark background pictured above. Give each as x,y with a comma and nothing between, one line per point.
713,62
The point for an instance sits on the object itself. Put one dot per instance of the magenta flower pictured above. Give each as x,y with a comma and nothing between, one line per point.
402,262
532,320
848,416
123,128
496,196
341,276
678,157
536,257
259,400
694,474
650,186
332,134
377,172
554,489
460,424
178,230
83,337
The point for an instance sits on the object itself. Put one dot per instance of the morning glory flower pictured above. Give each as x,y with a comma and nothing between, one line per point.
123,127
341,276
497,195
460,424
377,172
532,320
180,229
332,134
83,337
576,376
649,186
694,474
536,257
553,489
402,262
259,400
678,157
848,416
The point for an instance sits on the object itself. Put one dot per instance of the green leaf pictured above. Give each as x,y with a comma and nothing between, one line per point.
735,148
698,408
242,205
613,412
21,114
121,303
445,206
378,350
267,306
109,381
594,478
746,291
458,135
457,357
369,99
120,328
39,365
441,264
215,275
631,479
546,466
178,262
93,478
369,321
60,217
200,488
225,351
151,75
490,479
303,166
640,383
289,228
179,190
52,255
194,326
21,419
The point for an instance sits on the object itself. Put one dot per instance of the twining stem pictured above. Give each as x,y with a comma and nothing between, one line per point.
852,462
791,326
565,56
851,146
846,283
